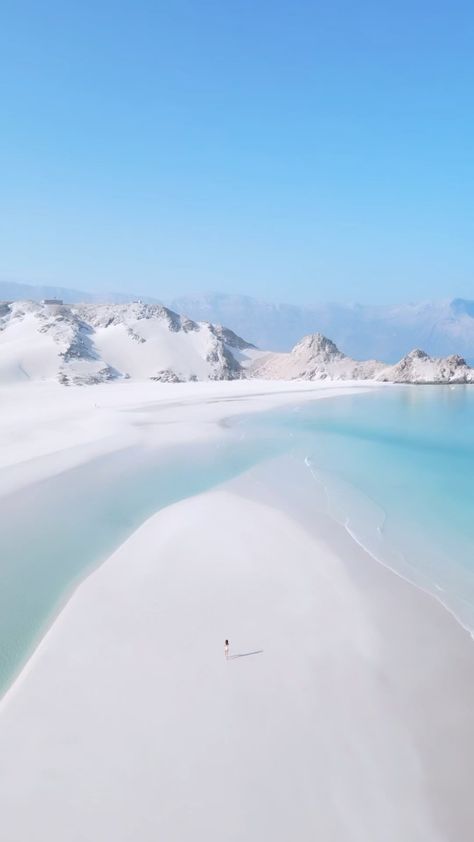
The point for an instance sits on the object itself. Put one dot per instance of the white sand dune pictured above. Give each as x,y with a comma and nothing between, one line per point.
354,724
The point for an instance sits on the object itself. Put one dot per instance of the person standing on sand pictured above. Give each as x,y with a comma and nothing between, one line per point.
226,648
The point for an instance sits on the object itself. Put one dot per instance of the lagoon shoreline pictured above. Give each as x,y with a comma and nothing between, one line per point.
73,450
354,722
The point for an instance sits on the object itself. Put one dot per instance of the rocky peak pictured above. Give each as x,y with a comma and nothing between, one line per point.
318,347
416,354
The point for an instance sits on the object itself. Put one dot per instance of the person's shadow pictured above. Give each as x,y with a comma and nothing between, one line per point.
245,654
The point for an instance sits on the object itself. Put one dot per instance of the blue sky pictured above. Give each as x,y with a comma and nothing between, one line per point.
297,151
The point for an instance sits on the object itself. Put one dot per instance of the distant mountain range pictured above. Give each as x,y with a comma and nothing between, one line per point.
389,332
13,291
383,332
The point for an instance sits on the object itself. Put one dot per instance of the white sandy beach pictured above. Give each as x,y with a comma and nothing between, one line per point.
46,428
355,722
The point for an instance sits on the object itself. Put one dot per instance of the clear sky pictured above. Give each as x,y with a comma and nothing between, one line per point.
294,150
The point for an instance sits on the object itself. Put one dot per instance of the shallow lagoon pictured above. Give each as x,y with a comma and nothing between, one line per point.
396,465
55,532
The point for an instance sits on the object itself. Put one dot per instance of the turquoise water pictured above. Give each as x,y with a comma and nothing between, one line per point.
397,466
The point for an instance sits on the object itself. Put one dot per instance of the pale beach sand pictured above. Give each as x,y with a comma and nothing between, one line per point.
46,428
355,723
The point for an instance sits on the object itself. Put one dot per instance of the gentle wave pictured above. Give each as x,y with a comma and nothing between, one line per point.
365,522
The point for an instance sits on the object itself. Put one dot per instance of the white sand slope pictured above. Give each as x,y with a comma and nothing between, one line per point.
96,343
129,724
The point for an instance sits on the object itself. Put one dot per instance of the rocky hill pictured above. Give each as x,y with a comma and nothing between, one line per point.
314,358
93,343
317,358
419,367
